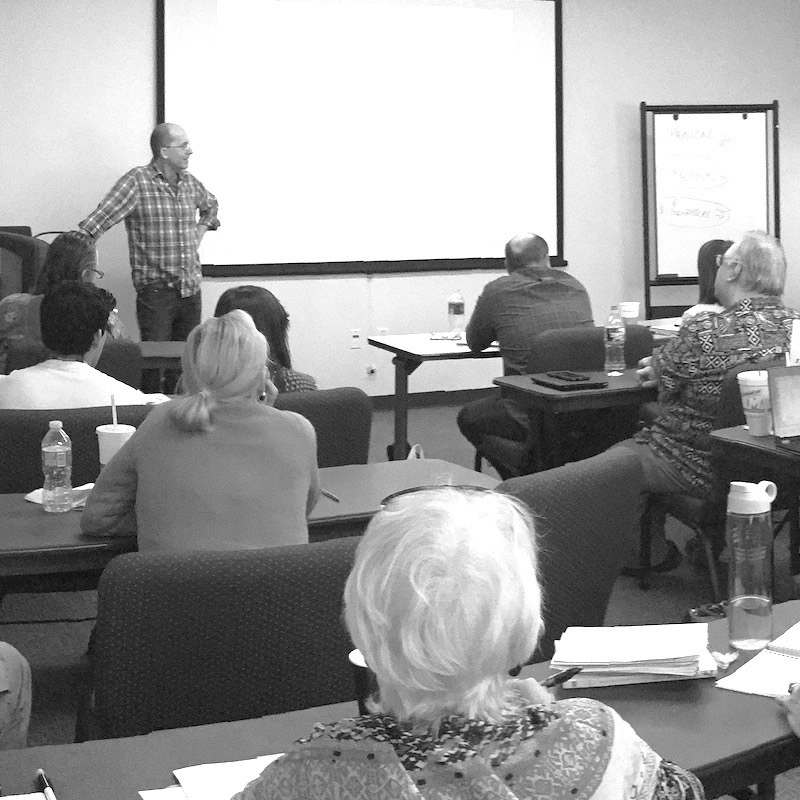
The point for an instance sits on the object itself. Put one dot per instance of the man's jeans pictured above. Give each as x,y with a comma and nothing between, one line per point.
164,316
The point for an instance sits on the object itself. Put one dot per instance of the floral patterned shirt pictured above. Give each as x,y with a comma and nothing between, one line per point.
690,370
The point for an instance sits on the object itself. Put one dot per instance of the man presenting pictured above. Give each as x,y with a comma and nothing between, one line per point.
533,297
167,211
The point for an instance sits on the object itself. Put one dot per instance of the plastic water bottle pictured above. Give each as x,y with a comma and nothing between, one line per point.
614,343
749,533
57,469
455,312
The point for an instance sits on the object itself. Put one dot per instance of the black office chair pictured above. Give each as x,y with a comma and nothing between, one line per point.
21,259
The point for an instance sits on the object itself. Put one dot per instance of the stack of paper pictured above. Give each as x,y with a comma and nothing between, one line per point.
634,654
771,671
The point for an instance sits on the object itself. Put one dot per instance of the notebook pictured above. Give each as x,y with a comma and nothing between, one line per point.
784,393
771,671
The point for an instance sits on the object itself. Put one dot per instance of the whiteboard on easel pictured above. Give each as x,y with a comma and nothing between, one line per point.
713,179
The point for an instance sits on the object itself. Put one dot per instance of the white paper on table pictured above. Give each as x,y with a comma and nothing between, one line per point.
170,793
221,781
80,494
793,356
33,795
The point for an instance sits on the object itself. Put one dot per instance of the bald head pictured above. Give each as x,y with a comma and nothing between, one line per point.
527,250
164,135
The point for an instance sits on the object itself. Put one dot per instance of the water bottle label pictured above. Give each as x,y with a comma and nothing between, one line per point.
455,308
614,334
55,457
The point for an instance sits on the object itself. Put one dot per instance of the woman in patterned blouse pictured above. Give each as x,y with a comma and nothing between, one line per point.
272,320
443,601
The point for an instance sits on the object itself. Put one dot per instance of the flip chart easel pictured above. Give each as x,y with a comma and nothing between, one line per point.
708,172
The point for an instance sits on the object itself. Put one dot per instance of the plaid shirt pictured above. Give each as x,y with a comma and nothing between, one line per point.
690,370
161,224
516,307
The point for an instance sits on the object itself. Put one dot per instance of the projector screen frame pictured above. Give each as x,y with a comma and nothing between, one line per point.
383,267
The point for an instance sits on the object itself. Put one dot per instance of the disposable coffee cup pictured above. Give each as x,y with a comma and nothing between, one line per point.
110,438
629,312
754,390
364,679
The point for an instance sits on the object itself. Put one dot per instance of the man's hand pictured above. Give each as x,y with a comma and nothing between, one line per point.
790,703
646,374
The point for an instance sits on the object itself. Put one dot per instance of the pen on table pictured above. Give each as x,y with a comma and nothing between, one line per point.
330,496
561,677
44,785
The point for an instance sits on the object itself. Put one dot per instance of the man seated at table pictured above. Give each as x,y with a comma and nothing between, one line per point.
15,698
534,297
675,450
73,317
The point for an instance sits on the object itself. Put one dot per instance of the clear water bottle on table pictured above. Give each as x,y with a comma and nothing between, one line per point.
614,341
57,469
455,313
748,530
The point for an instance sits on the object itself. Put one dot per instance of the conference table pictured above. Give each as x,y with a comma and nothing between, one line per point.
410,350
48,550
729,740
738,453
546,404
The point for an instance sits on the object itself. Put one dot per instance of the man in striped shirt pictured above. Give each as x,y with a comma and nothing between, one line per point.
167,211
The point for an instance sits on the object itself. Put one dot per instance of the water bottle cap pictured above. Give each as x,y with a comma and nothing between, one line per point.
56,423
751,498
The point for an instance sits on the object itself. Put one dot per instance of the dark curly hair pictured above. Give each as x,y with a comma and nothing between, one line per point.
71,314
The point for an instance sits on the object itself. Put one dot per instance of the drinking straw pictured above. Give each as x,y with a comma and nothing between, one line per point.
113,410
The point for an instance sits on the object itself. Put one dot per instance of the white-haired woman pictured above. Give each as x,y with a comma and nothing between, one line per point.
218,469
443,601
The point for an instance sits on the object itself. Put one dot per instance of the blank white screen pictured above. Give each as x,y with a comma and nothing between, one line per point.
362,131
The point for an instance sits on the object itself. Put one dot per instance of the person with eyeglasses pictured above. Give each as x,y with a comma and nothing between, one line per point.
166,211
71,256
675,449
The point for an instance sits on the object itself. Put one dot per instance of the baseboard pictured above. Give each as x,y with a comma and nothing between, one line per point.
458,397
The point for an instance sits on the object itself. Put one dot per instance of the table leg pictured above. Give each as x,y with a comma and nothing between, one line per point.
552,454
402,369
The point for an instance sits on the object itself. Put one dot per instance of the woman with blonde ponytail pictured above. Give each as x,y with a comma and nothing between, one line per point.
218,468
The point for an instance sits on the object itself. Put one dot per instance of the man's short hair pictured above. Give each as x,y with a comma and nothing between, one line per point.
71,314
763,263
525,250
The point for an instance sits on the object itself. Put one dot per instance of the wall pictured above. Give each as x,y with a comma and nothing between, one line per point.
82,88
78,103
618,53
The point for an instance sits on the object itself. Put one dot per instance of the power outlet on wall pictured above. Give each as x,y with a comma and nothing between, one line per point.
355,338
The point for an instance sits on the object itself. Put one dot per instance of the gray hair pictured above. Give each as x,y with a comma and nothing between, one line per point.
443,600
763,263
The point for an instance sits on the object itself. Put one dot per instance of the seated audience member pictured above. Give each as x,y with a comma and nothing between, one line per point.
534,297
15,698
218,469
707,257
74,319
71,257
443,600
675,450
272,320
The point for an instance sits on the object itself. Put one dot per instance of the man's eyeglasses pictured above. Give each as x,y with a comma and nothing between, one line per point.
724,259
185,147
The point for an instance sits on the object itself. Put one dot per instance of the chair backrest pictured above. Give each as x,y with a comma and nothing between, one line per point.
584,513
121,358
22,431
342,419
21,259
583,349
200,637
